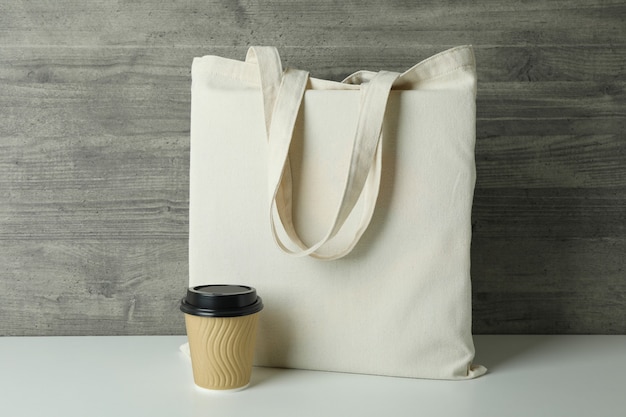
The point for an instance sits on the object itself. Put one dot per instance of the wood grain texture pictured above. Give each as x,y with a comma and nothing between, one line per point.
94,149
99,287
311,23
548,285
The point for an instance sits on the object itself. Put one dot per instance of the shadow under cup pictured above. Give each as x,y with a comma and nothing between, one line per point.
221,323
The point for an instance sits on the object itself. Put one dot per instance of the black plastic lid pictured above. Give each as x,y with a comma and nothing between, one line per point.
221,301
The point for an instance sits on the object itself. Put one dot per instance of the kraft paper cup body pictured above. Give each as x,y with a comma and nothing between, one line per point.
221,322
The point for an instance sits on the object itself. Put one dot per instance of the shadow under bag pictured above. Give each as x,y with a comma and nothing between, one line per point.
347,205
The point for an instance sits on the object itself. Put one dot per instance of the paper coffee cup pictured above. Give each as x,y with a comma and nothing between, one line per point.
221,323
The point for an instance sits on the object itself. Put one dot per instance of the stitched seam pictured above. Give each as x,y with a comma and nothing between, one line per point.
229,77
442,54
471,65
460,67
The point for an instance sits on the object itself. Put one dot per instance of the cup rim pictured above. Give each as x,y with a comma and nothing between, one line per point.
225,301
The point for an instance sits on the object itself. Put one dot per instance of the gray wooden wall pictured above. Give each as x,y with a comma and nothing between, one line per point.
94,105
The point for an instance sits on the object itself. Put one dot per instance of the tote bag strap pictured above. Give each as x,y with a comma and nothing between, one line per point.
268,63
364,168
270,68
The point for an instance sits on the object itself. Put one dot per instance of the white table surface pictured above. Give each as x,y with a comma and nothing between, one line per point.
148,376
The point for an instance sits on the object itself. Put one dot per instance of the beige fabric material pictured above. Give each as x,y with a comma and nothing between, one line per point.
367,184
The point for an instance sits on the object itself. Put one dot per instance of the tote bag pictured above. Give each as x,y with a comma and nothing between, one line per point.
347,205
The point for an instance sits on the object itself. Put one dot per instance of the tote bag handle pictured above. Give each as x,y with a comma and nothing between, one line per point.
283,103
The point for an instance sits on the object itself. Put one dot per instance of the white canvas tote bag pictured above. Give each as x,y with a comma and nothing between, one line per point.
346,205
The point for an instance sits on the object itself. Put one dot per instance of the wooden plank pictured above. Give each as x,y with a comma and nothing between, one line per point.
494,128
125,109
113,188
563,213
555,312
94,187
551,100
99,287
75,94
82,99
581,162
548,285
535,63
124,187
152,66
306,23
134,286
